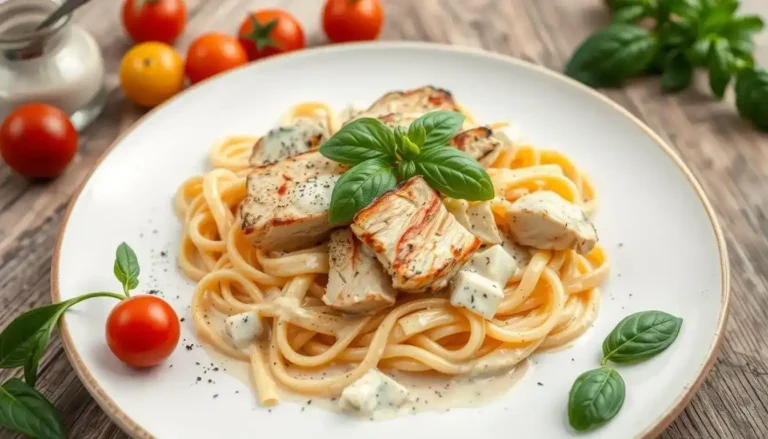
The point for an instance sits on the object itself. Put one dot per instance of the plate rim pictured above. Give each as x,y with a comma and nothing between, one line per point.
133,429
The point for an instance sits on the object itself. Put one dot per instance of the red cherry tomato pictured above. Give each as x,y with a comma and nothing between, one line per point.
142,331
38,140
211,54
352,20
269,32
154,20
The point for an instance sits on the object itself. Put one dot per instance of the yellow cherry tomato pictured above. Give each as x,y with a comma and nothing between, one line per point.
151,72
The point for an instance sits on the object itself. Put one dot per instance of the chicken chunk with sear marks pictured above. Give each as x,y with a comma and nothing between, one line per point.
287,203
417,240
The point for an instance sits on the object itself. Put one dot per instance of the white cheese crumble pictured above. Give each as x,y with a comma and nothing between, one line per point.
243,328
373,391
493,263
476,293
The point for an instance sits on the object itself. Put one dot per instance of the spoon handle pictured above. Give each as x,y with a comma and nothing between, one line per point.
66,8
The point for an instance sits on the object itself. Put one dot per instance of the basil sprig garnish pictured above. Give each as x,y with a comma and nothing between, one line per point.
381,156
22,343
640,336
357,189
675,38
595,398
597,395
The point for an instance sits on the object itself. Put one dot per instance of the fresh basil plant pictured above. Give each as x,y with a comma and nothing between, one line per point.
674,38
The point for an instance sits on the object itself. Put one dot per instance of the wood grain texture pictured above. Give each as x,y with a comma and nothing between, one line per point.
726,154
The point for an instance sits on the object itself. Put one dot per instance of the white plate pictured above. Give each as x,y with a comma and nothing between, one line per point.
666,248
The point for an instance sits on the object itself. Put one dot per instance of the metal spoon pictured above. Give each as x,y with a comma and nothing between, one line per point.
66,8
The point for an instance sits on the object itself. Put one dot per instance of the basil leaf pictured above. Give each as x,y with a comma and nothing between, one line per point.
720,65
641,336
126,267
688,11
747,24
752,96
399,132
743,62
28,334
699,52
358,187
677,74
24,410
360,140
30,366
630,14
673,34
595,398
410,149
418,135
742,47
739,34
406,169
440,127
718,17
611,56
454,173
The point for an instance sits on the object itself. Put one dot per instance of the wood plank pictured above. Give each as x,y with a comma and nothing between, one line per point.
725,153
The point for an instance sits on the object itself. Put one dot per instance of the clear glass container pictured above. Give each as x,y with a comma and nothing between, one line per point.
60,65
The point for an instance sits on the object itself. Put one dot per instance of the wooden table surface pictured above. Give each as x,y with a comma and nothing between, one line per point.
727,155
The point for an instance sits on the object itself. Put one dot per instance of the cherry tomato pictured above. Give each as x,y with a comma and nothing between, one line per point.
151,73
352,20
142,331
154,20
38,140
211,54
269,32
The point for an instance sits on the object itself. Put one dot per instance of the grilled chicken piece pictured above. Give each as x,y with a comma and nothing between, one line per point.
546,221
479,143
400,108
475,217
306,134
287,203
356,282
419,100
420,244
393,120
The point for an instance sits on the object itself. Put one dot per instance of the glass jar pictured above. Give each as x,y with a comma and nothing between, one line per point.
60,65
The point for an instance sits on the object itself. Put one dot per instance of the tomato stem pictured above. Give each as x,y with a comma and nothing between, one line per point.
260,35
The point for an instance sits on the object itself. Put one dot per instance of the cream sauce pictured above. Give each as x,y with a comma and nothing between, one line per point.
426,393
